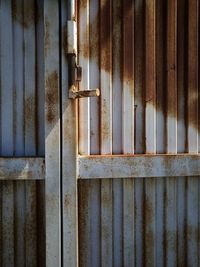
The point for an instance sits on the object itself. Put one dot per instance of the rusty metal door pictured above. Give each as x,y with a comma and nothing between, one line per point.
22,146
122,169
138,143
128,161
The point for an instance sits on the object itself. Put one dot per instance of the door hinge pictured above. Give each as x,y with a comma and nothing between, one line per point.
71,37
74,70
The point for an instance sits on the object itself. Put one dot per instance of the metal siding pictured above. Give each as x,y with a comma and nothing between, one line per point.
22,234
69,150
143,55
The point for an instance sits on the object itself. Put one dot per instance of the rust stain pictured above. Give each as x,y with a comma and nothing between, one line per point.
128,43
30,109
101,44
192,233
105,125
52,96
152,77
94,40
84,50
26,17
83,212
66,201
149,211
46,37
105,36
83,3
64,41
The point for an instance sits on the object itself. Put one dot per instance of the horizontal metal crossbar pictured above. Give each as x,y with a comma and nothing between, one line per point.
26,168
127,166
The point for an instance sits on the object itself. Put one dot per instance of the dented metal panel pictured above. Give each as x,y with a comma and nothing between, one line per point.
143,55
22,234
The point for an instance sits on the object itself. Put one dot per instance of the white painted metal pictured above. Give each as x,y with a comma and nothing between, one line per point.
128,234
31,224
29,46
84,104
40,85
154,203
170,202
71,37
94,192
126,221
29,78
52,134
160,135
117,72
139,129
150,130
22,168
116,166
7,132
21,134
106,129
69,153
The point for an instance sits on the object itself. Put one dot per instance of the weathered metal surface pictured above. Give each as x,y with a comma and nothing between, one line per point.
71,37
52,134
83,93
22,134
22,169
124,166
138,207
69,151
143,55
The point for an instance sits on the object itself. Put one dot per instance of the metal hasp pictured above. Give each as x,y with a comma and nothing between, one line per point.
75,71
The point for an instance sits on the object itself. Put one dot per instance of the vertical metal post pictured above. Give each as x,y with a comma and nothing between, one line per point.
52,134
69,149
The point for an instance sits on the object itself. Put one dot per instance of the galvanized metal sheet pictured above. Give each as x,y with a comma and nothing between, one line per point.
143,55
21,133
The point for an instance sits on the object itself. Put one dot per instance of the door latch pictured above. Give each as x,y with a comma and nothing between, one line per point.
74,70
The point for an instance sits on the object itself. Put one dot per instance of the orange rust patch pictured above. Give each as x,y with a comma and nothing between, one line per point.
52,96
84,50
82,3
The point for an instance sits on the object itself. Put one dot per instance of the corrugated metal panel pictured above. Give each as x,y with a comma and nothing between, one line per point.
143,55
22,239
148,231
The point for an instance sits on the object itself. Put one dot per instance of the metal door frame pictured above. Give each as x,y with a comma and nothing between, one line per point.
60,141
63,164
